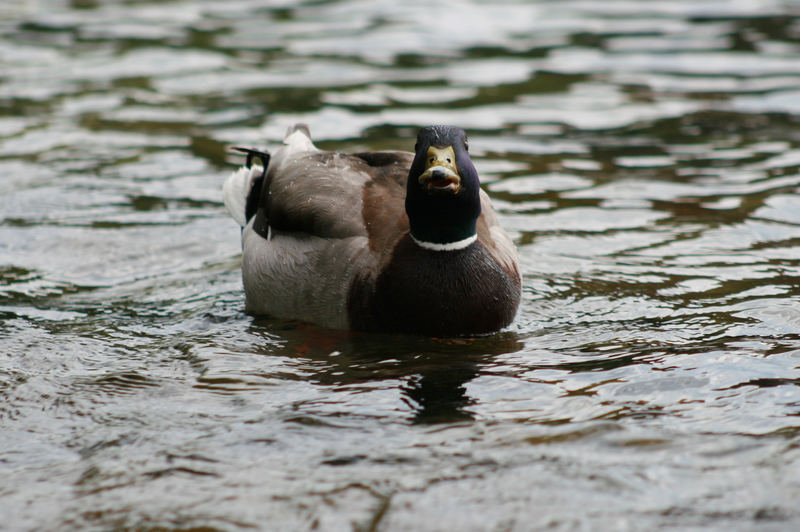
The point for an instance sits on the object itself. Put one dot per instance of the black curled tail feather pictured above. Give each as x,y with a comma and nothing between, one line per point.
258,197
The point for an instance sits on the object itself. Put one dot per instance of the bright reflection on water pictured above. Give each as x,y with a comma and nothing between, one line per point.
645,156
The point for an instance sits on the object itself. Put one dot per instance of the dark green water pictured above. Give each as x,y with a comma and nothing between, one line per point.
645,156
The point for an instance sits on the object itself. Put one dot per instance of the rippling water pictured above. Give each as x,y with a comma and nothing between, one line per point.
645,156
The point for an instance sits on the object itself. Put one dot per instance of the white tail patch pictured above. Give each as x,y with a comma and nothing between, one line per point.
235,191
298,139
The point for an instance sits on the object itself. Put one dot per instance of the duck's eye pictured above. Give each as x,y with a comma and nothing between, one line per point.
432,159
449,161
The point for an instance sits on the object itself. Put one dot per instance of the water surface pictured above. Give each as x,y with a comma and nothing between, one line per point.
645,157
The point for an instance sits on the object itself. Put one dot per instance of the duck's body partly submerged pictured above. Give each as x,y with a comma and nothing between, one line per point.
380,241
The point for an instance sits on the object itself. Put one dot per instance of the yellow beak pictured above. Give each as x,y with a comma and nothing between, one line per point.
441,173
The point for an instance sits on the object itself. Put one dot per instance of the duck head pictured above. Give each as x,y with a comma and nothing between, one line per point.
443,192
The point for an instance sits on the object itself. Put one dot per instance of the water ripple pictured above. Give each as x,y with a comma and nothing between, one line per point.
645,157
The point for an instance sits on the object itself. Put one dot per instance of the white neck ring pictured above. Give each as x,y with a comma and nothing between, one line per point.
447,246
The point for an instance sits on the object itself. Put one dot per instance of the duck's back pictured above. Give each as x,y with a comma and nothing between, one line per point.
319,233
322,193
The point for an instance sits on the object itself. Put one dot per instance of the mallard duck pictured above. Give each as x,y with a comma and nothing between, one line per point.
385,241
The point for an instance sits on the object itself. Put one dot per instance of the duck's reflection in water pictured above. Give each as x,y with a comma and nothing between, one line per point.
434,371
